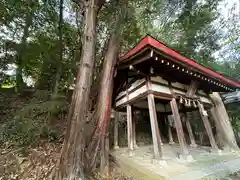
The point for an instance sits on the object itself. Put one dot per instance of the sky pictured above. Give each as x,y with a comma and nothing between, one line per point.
226,6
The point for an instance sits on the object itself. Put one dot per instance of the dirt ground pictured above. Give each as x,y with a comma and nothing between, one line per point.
36,163
28,163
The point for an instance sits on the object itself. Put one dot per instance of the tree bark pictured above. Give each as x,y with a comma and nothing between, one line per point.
71,163
104,102
222,121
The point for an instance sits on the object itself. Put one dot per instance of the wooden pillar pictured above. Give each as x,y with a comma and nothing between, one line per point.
129,129
157,148
207,126
116,119
134,130
170,132
178,125
190,133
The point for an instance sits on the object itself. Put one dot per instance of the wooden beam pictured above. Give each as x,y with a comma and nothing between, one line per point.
134,62
132,90
134,130
207,126
129,129
178,125
116,119
157,148
190,133
192,89
133,100
170,132
128,84
167,112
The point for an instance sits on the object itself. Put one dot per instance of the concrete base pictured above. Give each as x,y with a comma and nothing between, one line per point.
193,145
186,158
135,146
116,147
160,162
216,151
131,153
228,149
171,142
205,164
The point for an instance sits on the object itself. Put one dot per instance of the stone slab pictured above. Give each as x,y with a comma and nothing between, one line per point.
205,163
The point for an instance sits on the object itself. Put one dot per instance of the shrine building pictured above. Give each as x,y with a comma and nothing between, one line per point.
157,78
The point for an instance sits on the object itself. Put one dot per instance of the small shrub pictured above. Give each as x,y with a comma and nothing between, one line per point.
19,132
34,121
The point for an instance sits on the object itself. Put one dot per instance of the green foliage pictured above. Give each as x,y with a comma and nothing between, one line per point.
24,132
192,27
234,113
20,132
34,121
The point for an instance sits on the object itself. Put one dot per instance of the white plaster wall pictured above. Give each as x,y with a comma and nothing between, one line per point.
180,85
179,92
159,79
162,89
176,84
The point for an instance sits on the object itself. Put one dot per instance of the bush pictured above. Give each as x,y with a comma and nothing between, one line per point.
35,120
20,132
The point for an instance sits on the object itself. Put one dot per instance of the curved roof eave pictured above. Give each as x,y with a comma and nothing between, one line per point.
150,41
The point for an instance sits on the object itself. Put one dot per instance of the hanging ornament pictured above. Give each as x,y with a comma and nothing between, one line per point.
181,99
194,104
151,70
188,103
185,102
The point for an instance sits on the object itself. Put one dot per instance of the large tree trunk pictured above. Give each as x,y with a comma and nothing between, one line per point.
104,102
71,163
222,121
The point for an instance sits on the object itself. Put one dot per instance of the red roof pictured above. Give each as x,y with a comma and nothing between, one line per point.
150,41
